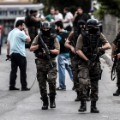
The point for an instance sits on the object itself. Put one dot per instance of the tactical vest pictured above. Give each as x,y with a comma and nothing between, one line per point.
63,36
118,46
75,36
90,44
117,41
74,40
49,41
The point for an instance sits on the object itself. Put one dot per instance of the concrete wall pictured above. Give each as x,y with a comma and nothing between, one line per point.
110,27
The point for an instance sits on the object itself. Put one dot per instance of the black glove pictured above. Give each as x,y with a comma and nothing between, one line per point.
88,62
7,57
101,51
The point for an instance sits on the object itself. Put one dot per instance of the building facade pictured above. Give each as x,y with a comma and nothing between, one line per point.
11,9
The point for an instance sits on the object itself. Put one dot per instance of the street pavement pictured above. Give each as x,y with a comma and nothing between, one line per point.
26,105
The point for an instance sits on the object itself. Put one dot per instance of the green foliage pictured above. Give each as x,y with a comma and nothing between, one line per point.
100,13
111,6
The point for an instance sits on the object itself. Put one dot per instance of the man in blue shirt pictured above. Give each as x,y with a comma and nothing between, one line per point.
63,57
16,50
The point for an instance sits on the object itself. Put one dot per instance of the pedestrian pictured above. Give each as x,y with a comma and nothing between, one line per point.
64,56
90,47
116,56
1,37
71,44
33,23
67,21
79,15
16,52
46,63
58,16
51,18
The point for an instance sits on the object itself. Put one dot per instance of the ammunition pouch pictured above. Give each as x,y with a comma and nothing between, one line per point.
95,72
42,55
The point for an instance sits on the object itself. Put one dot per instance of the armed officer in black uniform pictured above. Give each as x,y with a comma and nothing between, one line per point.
90,46
46,48
71,44
116,59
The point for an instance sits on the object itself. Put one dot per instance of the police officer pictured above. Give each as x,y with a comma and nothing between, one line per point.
46,66
90,47
116,53
33,23
71,43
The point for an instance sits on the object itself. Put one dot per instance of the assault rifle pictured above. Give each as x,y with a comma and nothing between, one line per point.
45,50
113,71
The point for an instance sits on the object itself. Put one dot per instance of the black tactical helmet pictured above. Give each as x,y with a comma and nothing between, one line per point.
81,22
93,23
46,25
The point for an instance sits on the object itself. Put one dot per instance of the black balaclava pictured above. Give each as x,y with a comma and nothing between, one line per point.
46,32
93,30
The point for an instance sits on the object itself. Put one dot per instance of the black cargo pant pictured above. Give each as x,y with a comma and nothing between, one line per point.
118,74
46,74
74,63
18,60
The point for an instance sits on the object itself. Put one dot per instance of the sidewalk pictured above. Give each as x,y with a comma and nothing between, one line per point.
107,57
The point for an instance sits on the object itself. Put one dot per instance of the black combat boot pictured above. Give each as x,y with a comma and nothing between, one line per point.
83,106
117,93
93,107
45,103
78,97
52,101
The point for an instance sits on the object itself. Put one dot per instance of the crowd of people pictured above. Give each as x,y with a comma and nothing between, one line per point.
74,43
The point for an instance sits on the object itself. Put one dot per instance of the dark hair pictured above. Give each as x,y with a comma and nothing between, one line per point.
59,24
33,11
19,22
79,8
67,9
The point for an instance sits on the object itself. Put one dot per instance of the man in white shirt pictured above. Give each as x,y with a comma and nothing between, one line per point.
16,51
58,16
67,22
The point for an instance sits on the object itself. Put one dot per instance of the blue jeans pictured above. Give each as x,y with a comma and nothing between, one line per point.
64,64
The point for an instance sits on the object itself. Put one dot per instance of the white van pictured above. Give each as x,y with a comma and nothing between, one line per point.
18,18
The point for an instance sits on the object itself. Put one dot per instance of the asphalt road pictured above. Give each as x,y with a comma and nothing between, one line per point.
21,105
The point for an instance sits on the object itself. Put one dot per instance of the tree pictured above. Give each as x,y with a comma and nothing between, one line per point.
111,6
72,4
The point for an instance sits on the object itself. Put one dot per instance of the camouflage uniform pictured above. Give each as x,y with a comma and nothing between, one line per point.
88,78
45,73
116,42
74,60
89,75
118,74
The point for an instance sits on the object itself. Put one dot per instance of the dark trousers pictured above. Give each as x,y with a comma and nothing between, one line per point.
18,60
